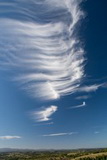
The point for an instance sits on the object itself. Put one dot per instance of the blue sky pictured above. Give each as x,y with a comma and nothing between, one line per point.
53,82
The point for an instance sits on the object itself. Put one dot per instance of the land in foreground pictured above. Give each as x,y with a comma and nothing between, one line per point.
81,154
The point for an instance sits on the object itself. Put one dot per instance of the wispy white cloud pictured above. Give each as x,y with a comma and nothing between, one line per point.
90,88
60,134
78,106
44,114
44,50
104,85
9,137
43,124
83,97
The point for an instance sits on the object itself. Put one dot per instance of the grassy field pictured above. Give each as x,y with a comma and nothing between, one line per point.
95,154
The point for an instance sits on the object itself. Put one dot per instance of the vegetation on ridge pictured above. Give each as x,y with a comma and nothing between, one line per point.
95,154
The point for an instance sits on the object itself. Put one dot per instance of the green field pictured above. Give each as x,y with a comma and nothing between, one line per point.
83,154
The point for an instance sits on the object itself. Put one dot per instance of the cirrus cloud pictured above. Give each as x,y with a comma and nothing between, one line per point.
42,47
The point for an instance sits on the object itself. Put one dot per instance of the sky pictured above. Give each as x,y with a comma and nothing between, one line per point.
53,74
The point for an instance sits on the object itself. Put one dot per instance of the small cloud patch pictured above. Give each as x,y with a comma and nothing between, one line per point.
9,137
44,115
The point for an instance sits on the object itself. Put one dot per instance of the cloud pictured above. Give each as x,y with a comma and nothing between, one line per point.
50,123
104,85
90,88
41,46
82,97
59,134
44,115
9,137
78,106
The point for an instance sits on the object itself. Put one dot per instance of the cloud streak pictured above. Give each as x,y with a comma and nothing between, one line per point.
78,106
41,45
44,124
90,88
44,114
59,134
9,137
83,97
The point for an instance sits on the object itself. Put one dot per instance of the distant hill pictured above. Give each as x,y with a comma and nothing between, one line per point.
14,150
52,150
